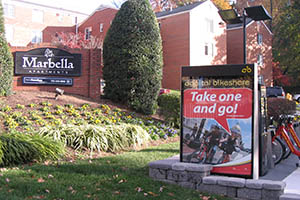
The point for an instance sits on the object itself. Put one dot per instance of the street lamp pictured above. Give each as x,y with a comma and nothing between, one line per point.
256,13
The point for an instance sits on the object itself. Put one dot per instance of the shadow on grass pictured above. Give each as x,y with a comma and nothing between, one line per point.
123,176
161,150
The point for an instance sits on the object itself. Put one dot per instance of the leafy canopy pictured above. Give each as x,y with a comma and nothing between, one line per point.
132,56
286,42
160,5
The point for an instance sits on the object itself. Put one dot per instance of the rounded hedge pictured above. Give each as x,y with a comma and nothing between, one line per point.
132,56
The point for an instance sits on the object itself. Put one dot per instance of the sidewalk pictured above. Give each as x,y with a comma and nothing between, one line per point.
287,172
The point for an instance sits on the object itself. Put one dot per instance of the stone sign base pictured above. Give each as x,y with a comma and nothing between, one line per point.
198,177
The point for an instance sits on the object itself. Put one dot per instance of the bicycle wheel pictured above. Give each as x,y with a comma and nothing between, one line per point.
278,150
201,157
286,148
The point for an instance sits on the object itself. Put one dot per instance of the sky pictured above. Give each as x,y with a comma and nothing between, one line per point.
84,6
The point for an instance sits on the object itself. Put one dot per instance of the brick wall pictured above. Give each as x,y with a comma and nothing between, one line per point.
87,85
176,53
104,17
235,48
50,31
23,25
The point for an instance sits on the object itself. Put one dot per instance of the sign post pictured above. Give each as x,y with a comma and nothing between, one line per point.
219,120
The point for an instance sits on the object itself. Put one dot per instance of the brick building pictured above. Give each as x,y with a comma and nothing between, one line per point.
25,21
258,42
97,24
192,35
258,47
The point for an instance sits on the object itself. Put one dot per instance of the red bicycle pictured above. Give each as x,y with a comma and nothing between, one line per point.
281,136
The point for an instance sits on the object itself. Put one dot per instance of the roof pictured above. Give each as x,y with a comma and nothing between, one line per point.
240,25
248,22
51,7
104,6
179,9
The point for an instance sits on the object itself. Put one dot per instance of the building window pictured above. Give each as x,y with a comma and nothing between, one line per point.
259,39
209,25
37,16
206,49
9,10
209,49
87,33
37,36
260,60
101,28
9,33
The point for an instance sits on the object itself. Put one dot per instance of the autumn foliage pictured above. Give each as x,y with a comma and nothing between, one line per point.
77,41
278,76
162,5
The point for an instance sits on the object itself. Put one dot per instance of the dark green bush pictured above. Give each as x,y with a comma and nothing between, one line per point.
1,18
18,148
6,61
169,105
279,106
132,55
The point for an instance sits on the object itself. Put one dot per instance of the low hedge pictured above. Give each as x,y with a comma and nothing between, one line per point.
19,148
111,138
280,106
169,104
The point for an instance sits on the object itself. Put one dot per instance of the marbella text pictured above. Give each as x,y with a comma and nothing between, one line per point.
61,64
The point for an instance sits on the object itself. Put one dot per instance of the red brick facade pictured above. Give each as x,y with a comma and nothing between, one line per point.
235,48
176,48
103,17
87,85
23,25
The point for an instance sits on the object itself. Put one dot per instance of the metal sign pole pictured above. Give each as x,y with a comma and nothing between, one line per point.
255,127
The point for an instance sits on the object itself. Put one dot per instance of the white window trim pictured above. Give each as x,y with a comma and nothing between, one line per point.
9,10
89,29
101,27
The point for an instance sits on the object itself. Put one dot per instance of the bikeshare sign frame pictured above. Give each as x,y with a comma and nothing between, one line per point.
219,118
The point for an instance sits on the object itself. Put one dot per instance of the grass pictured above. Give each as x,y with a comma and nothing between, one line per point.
124,176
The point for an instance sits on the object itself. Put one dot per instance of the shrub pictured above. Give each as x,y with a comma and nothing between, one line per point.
17,148
169,105
132,56
279,106
102,138
6,61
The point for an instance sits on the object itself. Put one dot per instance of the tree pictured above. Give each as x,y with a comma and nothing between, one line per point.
161,5
72,40
1,18
132,56
6,60
286,43
222,4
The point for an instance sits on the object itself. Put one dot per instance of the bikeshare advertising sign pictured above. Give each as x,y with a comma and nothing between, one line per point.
217,104
47,61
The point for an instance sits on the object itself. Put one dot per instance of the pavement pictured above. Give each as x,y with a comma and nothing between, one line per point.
288,172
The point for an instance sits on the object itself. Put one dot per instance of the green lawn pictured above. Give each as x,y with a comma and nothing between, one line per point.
123,176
